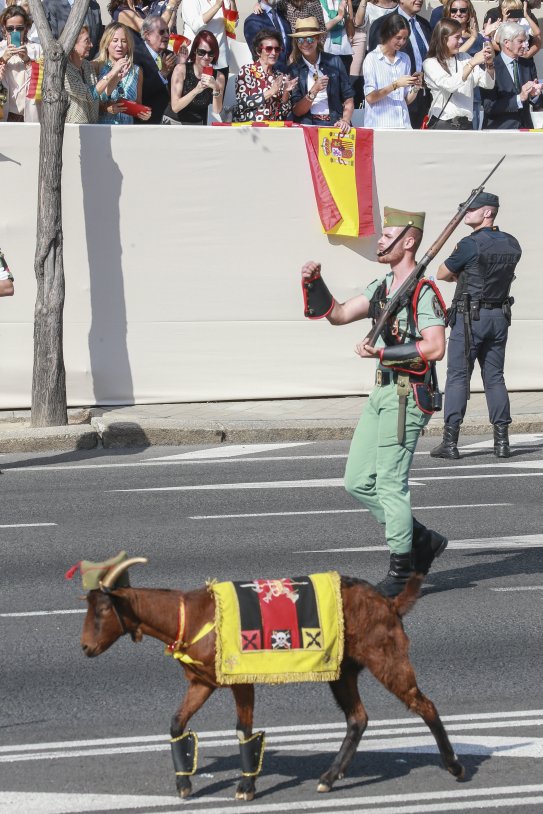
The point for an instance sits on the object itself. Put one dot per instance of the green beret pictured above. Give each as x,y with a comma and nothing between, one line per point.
93,572
398,217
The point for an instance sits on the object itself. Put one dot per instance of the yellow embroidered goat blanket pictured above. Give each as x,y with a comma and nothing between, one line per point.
279,630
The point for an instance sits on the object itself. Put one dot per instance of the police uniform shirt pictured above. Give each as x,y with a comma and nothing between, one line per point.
491,280
429,313
465,253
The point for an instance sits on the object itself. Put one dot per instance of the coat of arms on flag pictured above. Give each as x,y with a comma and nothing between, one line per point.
279,630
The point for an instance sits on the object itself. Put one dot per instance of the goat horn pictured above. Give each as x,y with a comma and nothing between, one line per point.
114,573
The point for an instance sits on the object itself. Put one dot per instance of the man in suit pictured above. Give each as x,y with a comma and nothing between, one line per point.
507,105
157,64
58,11
416,49
270,18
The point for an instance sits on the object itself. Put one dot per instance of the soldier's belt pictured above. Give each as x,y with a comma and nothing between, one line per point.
384,377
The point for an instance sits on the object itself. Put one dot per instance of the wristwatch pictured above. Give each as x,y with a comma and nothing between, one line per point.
310,96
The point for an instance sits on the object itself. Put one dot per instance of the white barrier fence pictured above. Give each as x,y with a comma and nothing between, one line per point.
183,247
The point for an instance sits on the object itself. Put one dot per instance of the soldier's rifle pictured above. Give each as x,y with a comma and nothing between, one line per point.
407,288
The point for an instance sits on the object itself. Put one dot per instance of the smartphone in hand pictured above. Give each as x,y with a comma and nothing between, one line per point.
15,39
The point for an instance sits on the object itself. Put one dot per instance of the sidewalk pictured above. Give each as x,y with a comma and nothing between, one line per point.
241,422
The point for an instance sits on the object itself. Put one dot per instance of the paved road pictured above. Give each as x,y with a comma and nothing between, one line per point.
90,735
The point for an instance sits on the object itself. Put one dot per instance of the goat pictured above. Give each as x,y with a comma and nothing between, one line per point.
374,638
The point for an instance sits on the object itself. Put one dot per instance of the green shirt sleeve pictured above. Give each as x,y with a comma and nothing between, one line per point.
429,310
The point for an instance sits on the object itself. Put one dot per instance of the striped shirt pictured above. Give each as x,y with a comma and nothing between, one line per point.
391,111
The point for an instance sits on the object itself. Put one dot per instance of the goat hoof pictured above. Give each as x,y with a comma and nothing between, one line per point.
324,787
458,772
247,796
185,792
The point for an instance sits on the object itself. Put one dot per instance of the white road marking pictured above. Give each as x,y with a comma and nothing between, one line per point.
522,717
228,451
341,511
525,438
42,613
419,802
24,525
521,588
402,736
520,541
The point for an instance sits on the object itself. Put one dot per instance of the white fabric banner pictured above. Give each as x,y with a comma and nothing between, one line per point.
183,248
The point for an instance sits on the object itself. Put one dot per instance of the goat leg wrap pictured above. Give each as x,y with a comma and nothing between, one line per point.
252,754
318,302
405,358
185,753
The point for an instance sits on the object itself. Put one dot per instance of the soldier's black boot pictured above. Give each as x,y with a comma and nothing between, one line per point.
398,573
448,448
501,441
427,545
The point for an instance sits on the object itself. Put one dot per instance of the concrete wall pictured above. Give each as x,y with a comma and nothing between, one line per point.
183,248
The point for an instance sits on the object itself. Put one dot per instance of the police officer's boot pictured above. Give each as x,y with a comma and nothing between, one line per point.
427,545
398,573
501,441
448,448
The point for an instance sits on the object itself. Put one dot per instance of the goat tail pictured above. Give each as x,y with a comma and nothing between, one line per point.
408,597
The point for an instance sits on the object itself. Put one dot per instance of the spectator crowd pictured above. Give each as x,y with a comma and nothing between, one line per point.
314,62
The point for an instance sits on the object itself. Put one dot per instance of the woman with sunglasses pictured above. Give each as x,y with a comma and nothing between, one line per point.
388,83
471,42
211,15
118,77
263,92
195,84
452,77
16,57
324,95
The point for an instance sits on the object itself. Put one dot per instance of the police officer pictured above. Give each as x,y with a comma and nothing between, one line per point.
400,405
483,267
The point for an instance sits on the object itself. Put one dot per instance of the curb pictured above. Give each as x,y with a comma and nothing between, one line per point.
116,434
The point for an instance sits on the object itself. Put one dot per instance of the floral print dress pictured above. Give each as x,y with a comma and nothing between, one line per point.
251,106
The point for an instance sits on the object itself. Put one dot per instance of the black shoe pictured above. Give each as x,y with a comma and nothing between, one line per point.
398,573
427,545
501,441
448,448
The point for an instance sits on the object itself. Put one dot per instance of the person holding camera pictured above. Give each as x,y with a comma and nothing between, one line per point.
453,76
16,57
389,85
400,405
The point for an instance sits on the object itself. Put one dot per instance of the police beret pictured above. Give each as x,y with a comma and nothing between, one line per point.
484,199
399,217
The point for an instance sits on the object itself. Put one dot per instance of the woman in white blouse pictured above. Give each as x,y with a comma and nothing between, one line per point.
388,83
452,77
208,14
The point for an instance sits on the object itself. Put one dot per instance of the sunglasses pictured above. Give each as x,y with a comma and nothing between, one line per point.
162,31
201,52
459,11
271,49
15,28
307,40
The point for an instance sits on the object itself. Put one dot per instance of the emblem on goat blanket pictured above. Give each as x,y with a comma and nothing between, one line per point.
279,630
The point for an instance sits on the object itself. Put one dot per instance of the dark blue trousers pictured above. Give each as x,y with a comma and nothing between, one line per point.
488,348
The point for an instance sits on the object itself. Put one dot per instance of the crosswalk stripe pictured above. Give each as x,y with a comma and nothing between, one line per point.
228,451
342,511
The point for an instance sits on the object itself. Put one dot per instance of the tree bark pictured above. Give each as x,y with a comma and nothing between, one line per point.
49,407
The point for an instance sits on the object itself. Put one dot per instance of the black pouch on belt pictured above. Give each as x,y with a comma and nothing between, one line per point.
422,394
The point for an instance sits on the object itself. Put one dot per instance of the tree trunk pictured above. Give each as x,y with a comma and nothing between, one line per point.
49,379
49,375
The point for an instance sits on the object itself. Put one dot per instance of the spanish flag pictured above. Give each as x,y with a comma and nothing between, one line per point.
230,19
176,42
256,124
341,170
36,81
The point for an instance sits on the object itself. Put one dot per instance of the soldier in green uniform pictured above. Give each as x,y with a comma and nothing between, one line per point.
400,405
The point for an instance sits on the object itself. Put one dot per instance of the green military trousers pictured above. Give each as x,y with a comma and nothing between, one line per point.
377,468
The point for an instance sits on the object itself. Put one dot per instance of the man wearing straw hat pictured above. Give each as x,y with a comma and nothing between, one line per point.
324,95
400,405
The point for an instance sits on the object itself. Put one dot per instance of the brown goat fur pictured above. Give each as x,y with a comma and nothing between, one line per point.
374,638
